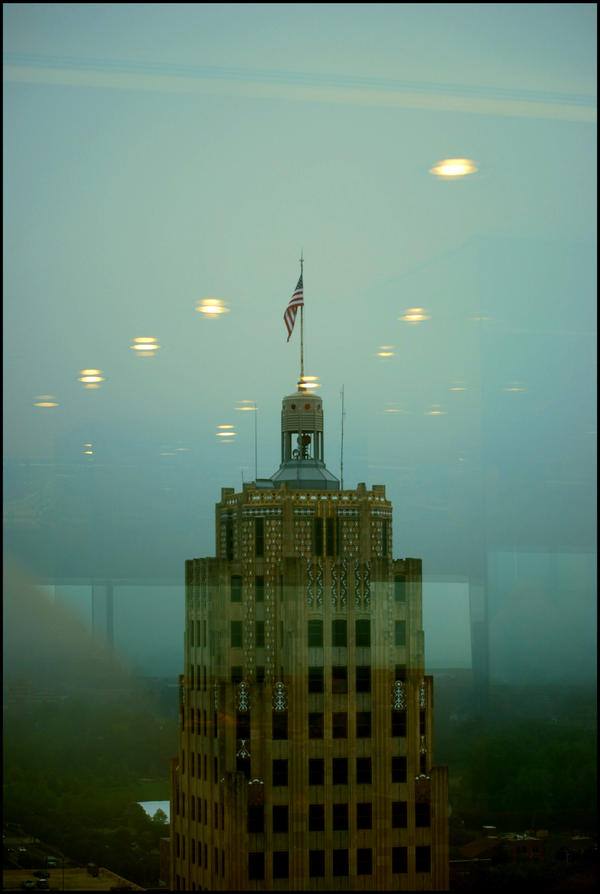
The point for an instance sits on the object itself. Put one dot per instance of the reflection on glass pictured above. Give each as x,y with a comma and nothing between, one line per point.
458,386
386,351
90,378
435,411
45,400
227,433
88,450
212,307
415,315
308,382
453,167
393,408
145,346
246,405
514,386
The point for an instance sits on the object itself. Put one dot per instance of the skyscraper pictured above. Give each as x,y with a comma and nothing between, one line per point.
306,719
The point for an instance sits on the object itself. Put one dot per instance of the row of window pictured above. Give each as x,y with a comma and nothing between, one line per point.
339,633
339,771
316,677
316,724
259,590
339,817
340,862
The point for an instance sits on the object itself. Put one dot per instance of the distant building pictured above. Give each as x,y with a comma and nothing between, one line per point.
306,720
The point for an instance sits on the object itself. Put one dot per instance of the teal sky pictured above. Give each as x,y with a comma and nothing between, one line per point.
156,155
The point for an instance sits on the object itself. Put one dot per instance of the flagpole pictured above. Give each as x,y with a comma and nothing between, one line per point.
302,319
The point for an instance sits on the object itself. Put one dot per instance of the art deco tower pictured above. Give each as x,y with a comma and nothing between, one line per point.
306,721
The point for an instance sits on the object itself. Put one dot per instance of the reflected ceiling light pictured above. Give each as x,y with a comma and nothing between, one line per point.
226,431
145,346
386,351
88,450
415,315
212,307
90,378
45,400
394,408
435,411
308,382
514,386
246,405
453,167
458,386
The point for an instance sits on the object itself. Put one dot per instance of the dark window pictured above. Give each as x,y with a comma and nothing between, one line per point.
363,815
315,633
256,865
400,672
363,771
339,633
398,723
280,772
280,864
316,863
229,539
362,629
339,726
316,817
422,813
315,679
421,723
399,589
399,859
384,538
259,588
236,634
316,771
339,679
242,723
363,724
364,861
260,673
423,763
398,814
280,725
398,769
259,536
243,765
363,678
237,674
236,588
260,634
315,725
339,768
340,861
318,536
400,633
340,816
256,819
280,818
423,859
329,536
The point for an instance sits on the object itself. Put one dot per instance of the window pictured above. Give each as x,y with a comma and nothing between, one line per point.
316,864
398,723
399,589
339,725
398,814
330,536
259,536
399,859
340,860
398,769
364,861
384,538
260,634
260,673
236,588
316,771
315,679
423,859
422,813
363,678
339,769
280,724
318,536
400,633
315,725
280,818
315,633
256,865
280,772
237,674
400,672
363,724
362,629
340,817
255,819
363,815
259,588
242,723
243,765
422,722
236,634
339,633
339,679
280,864
363,771
229,539
316,817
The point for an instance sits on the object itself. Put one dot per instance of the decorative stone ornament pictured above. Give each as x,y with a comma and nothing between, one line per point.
398,696
279,697
243,697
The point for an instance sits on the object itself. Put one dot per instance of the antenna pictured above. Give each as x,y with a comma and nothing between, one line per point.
255,442
342,450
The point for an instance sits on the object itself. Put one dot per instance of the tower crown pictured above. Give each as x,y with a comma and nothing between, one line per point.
302,459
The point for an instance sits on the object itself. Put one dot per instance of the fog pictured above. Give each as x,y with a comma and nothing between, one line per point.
158,155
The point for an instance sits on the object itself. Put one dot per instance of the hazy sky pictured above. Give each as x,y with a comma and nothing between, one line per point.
156,155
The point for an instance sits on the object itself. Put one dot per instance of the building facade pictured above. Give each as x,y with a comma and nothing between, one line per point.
306,720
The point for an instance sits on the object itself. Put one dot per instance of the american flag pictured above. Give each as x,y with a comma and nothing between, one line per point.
296,301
